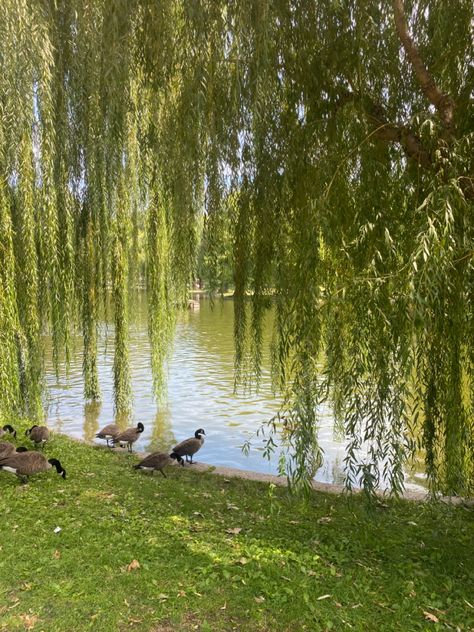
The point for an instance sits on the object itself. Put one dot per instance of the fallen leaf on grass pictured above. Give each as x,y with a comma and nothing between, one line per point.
224,606
234,531
133,565
242,561
163,597
324,520
181,593
57,554
323,597
293,522
430,616
259,599
230,506
29,620
413,524
469,604
311,573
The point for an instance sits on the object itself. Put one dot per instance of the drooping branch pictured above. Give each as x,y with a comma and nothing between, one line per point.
443,103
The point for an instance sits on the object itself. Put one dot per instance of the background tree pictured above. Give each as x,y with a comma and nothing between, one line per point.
343,131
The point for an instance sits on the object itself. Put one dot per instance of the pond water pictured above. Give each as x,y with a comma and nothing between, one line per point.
200,394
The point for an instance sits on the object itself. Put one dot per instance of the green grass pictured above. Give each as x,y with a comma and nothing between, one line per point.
324,564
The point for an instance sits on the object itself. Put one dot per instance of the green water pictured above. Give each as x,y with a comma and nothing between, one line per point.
200,394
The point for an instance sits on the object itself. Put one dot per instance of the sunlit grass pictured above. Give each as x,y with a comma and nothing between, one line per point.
220,555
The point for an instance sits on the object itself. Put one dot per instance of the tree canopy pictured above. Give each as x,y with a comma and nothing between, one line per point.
330,141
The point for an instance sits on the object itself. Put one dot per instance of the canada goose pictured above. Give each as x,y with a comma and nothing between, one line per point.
129,436
38,434
108,433
27,463
7,448
157,461
190,446
7,428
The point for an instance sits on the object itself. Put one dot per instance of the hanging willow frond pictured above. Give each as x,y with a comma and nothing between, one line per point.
319,154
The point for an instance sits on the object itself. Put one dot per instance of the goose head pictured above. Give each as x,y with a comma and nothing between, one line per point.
10,429
59,468
176,457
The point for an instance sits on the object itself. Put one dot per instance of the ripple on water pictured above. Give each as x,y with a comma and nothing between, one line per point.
200,394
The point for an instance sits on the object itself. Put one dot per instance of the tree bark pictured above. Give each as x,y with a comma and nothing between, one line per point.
443,103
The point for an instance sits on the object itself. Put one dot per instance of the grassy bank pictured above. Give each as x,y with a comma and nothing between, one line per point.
197,552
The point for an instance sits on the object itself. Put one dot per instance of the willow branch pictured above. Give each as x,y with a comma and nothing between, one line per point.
390,132
443,103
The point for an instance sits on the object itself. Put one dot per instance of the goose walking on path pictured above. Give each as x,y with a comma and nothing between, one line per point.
158,461
27,463
129,436
190,446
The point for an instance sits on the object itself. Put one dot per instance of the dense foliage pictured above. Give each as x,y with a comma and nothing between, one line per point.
332,139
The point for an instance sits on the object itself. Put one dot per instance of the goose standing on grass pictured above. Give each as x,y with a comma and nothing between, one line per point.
38,434
28,463
190,446
158,461
7,428
108,433
129,436
7,448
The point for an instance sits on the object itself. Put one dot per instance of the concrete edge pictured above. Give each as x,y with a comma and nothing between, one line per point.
331,488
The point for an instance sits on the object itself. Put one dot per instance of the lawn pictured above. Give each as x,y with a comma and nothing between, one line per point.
195,551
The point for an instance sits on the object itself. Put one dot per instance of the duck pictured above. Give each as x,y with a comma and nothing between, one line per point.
129,436
157,461
27,463
7,448
108,433
190,446
38,434
7,428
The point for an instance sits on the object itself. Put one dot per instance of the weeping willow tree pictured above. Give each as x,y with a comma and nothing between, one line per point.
331,140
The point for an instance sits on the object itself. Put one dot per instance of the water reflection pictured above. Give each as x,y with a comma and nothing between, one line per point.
91,419
162,437
200,394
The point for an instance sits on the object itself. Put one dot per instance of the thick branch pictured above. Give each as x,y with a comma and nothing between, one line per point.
443,103
390,132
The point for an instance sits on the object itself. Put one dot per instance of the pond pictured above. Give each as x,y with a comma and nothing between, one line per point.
200,394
